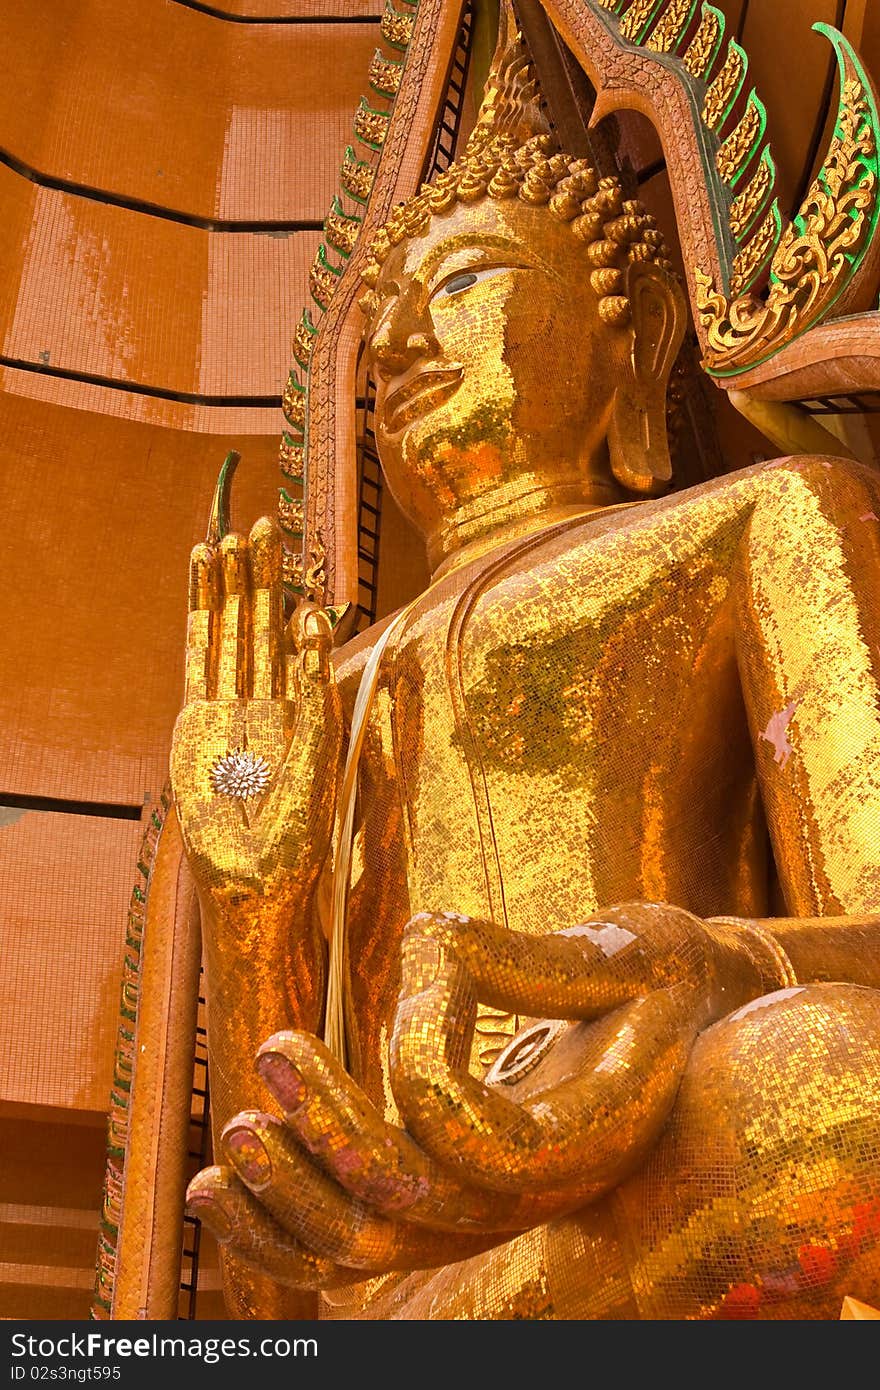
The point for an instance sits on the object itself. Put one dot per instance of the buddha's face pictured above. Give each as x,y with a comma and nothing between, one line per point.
495,373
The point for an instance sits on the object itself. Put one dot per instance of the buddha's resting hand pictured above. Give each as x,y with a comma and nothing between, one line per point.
333,1192
256,747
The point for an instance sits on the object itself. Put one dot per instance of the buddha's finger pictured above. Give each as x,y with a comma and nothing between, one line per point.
310,680
232,663
308,644
441,1105
612,1083
267,608
583,971
217,1197
373,1161
309,1205
204,601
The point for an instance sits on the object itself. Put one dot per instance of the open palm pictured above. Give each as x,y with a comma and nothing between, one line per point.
256,746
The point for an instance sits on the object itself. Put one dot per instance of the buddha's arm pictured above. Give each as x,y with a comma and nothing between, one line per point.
808,647
261,717
829,948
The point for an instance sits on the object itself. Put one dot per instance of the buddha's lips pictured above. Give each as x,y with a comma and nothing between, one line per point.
422,392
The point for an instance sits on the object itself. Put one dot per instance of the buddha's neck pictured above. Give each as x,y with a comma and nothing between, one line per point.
512,512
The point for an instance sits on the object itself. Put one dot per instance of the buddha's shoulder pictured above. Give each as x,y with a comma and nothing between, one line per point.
611,554
820,475
710,517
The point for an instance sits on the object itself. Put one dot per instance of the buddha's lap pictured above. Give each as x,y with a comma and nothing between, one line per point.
775,1133
762,1198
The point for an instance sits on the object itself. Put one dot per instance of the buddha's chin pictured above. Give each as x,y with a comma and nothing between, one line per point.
438,481
454,478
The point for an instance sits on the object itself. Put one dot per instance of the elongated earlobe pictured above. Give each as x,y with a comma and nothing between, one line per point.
637,438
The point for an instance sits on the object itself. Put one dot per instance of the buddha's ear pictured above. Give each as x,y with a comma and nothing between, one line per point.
637,437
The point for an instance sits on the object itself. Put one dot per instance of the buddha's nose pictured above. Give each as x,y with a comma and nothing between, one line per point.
399,340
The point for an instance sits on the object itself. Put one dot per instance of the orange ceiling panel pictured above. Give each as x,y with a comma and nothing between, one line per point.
290,9
166,104
96,289
65,883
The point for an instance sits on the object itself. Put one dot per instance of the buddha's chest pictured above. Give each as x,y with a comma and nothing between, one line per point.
565,729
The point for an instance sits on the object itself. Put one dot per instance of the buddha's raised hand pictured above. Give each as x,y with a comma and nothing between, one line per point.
254,771
333,1188
256,746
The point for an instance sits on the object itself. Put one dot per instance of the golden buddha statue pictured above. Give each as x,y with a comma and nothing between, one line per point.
604,1022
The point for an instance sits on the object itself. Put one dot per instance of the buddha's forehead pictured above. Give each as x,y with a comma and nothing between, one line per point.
489,226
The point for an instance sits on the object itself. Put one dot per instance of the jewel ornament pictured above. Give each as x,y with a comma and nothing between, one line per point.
240,774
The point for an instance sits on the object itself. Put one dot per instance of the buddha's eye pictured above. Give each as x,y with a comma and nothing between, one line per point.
465,278
460,282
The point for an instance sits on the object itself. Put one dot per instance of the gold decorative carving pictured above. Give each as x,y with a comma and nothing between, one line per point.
752,198
636,18
292,568
308,580
397,28
291,457
303,337
323,278
342,232
385,75
667,33
290,512
370,126
740,143
724,88
357,176
293,403
749,261
315,580
813,256
703,46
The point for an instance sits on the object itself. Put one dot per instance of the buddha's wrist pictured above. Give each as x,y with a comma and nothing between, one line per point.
754,963
262,976
269,952
255,906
